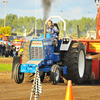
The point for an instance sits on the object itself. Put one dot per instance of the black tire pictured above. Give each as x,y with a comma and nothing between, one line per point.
42,77
15,61
18,76
74,59
55,74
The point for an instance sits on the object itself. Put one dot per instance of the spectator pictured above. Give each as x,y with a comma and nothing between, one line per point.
3,49
11,54
17,50
0,48
14,51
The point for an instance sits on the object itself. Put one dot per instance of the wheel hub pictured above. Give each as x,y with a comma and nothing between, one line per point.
81,64
57,75
20,75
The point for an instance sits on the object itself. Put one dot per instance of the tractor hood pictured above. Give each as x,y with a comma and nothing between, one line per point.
38,48
40,53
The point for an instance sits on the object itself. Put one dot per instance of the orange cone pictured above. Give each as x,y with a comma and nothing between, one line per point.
69,92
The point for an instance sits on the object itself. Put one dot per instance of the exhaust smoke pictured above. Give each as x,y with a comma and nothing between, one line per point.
46,4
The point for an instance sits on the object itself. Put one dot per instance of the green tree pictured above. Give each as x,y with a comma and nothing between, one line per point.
1,30
12,21
31,22
1,22
40,24
26,23
20,24
5,30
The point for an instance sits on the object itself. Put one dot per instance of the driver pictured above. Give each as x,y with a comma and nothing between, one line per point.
53,29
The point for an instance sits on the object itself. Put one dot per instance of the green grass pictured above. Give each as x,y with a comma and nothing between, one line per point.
5,67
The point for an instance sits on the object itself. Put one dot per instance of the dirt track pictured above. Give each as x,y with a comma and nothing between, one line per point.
6,60
9,90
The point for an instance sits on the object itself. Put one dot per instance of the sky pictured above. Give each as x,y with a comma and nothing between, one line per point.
72,9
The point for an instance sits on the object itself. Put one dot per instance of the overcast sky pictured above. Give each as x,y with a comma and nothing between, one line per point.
72,9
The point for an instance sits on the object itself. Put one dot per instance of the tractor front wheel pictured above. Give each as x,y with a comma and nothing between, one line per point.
18,76
55,74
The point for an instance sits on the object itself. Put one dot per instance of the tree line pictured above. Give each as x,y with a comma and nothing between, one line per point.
84,23
19,24
5,30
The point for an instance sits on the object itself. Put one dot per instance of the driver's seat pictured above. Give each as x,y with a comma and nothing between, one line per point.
56,28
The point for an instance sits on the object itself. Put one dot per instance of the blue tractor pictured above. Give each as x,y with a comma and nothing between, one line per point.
55,57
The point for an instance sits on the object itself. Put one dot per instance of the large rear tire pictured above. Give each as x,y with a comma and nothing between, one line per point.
28,76
25,54
18,76
74,59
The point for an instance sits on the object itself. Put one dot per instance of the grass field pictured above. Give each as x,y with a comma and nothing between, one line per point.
5,67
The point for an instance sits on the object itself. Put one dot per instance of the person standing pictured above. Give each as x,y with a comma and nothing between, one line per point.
3,49
14,51
11,51
17,50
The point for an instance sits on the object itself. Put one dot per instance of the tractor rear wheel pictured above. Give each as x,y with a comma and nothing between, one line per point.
25,54
25,57
55,74
74,59
18,76
42,74
29,77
